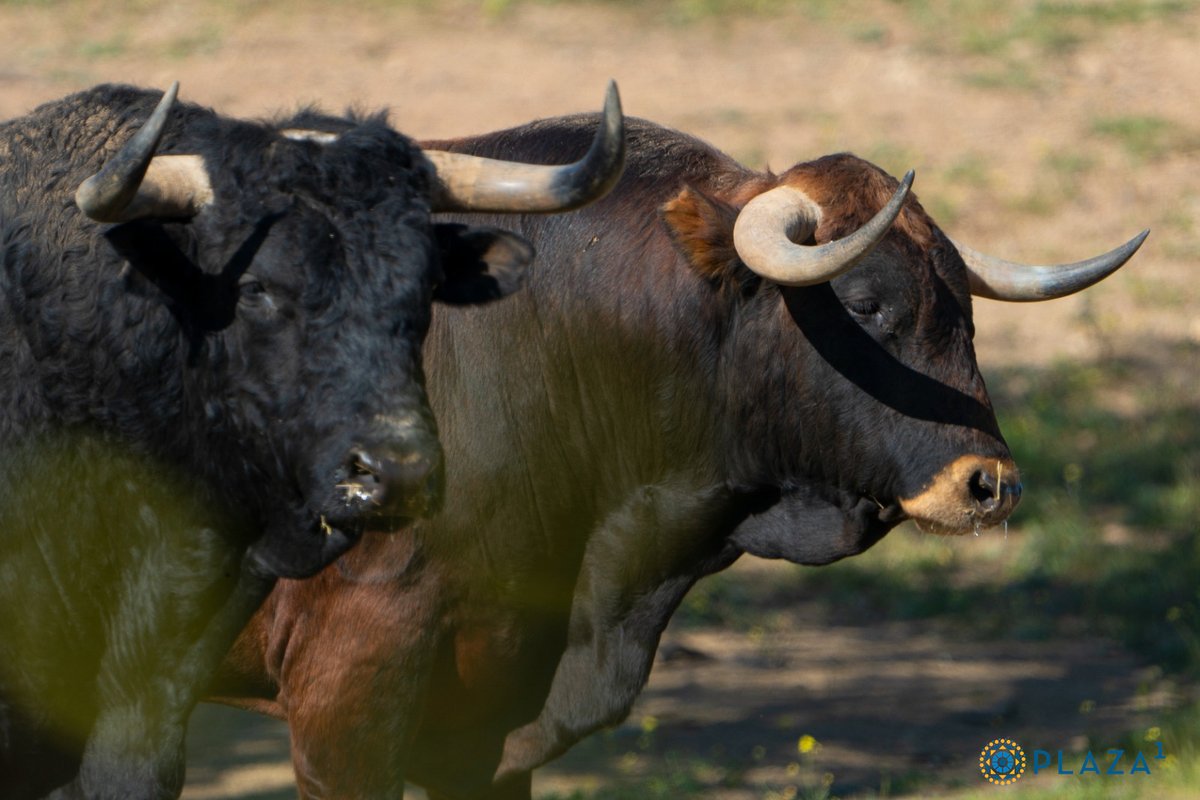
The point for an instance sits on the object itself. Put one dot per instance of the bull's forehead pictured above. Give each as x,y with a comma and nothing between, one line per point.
364,253
349,162
850,191
352,196
382,258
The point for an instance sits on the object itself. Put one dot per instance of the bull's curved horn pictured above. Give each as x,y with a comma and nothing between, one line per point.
998,279
768,228
135,183
471,183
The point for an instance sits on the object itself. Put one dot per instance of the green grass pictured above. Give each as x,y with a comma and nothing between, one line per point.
971,170
205,40
645,775
1174,778
1003,75
684,11
1058,183
1002,30
1147,137
1071,429
893,157
1008,44
674,776
111,47
982,28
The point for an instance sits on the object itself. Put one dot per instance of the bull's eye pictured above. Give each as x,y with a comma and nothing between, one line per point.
251,288
254,297
863,308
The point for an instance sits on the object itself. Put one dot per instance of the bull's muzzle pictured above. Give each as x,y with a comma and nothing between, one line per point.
971,493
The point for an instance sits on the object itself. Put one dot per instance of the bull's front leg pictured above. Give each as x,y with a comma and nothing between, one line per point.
170,633
636,569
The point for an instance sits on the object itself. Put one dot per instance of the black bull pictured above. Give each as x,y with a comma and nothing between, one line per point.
646,411
223,387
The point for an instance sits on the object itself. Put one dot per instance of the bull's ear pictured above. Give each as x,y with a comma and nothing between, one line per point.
479,264
702,227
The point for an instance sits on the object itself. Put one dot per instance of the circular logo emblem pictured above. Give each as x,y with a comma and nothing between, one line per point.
1002,761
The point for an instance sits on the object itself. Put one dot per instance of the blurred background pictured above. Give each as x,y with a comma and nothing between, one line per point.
1040,131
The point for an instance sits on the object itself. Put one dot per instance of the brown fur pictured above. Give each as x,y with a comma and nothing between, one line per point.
701,226
849,190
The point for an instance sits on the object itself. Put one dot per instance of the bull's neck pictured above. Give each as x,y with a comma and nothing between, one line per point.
588,389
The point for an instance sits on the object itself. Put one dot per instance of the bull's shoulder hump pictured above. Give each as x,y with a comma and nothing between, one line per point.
653,152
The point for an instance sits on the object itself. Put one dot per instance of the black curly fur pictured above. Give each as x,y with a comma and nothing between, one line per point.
175,395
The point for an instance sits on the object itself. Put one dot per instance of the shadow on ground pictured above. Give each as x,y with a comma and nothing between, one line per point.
234,753
887,705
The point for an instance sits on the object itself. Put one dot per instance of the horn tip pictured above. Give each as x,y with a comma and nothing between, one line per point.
159,115
612,100
1131,247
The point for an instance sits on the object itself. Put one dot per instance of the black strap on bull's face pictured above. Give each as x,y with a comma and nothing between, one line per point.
201,302
858,358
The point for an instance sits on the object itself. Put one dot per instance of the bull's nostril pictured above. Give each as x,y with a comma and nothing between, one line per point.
364,479
983,488
363,465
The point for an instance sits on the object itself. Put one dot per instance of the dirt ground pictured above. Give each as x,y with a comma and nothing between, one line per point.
725,711
1028,153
